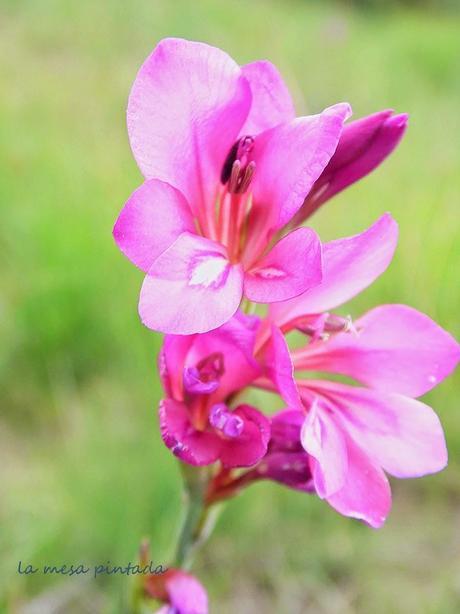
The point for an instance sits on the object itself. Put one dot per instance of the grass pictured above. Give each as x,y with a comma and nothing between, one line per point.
84,475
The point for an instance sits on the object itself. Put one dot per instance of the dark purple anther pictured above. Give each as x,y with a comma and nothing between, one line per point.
238,170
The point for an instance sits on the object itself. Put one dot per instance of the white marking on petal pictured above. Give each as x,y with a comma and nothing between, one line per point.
208,271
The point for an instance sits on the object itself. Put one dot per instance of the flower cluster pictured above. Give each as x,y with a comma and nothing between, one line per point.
230,175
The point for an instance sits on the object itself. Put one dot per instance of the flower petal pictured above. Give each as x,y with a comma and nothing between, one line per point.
322,438
290,267
403,435
186,594
281,370
363,145
271,101
171,362
152,219
190,288
349,265
186,108
191,446
249,447
397,349
235,341
366,493
289,159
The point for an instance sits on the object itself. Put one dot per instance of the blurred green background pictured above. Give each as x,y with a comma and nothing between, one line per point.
83,473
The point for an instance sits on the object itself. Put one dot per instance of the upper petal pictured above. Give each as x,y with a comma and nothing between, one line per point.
397,349
271,101
289,159
234,341
186,108
366,493
152,219
349,265
190,288
403,435
289,268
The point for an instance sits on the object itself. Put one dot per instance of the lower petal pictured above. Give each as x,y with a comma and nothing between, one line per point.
322,438
366,493
190,288
247,449
191,446
291,267
403,435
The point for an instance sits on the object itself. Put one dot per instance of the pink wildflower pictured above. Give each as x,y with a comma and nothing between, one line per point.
227,166
200,374
352,435
180,591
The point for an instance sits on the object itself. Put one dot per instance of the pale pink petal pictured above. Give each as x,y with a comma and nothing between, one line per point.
322,438
152,219
366,493
396,349
349,265
289,158
289,268
271,101
190,288
402,435
251,445
185,111
190,445
280,369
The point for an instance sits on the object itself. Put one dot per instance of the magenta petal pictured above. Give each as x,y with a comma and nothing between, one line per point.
349,265
186,108
235,342
171,363
289,158
280,369
186,594
251,445
363,145
322,438
403,435
190,288
397,349
271,101
152,219
366,493
179,435
292,266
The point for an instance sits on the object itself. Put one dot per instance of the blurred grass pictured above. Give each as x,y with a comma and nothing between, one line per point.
84,474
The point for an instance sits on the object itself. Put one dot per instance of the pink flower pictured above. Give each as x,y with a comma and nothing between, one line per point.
200,374
227,166
363,145
179,590
352,434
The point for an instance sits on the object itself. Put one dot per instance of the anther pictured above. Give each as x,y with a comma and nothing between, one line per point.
237,169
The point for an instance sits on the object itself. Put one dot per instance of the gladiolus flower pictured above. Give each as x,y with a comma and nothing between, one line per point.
200,374
352,434
227,166
180,591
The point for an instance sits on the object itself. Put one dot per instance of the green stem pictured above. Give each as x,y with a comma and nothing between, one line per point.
199,519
